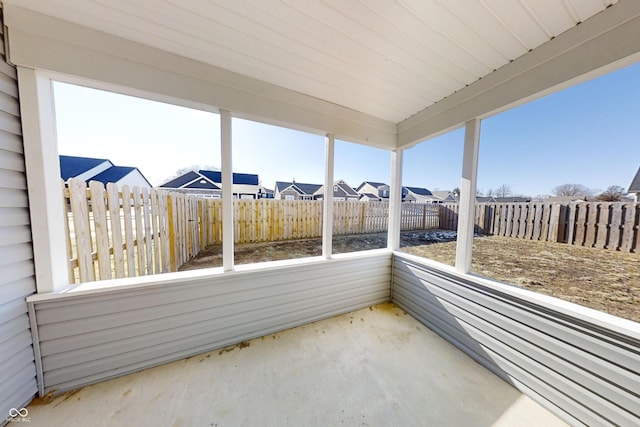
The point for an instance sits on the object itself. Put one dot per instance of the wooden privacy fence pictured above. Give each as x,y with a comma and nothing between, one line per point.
128,232
603,225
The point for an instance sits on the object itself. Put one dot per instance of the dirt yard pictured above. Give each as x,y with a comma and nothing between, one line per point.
605,280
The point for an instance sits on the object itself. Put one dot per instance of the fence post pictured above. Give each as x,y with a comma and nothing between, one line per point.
172,232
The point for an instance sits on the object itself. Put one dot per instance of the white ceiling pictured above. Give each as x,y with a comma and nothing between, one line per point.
389,59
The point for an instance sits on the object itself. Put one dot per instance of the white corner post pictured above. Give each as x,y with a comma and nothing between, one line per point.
43,181
395,201
327,215
467,196
226,168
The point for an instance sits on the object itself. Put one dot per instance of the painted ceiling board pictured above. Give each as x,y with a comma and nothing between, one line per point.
388,59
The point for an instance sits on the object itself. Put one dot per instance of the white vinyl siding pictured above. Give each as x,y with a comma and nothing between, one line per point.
87,338
17,367
585,371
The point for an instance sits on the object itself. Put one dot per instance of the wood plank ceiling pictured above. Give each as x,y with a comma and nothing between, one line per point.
389,59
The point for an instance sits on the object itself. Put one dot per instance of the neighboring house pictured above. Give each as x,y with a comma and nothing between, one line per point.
446,196
565,199
485,199
341,192
207,183
635,186
512,199
102,170
265,193
379,189
295,190
368,197
193,182
418,195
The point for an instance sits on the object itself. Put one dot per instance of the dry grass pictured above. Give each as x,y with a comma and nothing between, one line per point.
604,280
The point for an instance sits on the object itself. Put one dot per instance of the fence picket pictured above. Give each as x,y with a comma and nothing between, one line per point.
602,226
99,213
81,228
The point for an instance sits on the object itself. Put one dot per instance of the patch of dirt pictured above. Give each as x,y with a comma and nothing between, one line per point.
605,280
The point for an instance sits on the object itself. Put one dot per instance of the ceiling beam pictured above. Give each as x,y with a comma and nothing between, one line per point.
601,44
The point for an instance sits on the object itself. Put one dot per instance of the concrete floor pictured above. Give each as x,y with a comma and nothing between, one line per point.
373,367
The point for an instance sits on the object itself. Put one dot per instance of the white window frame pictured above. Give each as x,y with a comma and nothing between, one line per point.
43,172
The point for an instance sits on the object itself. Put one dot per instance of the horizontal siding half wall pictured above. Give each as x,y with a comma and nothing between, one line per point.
89,338
17,366
582,372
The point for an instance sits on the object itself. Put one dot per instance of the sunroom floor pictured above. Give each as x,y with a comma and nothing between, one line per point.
376,366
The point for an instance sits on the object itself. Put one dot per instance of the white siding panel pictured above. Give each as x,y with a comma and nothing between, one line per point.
10,197
14,235
15,253
11,161
10,141
89,338
584,372
9,104
17,367
13,179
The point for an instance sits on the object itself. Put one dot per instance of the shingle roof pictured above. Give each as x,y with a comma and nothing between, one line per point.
308,188
420,191
113,174
182,180
72,166
282,185
202,183
635,184
514,199
369,195
373,183
345,188
238,178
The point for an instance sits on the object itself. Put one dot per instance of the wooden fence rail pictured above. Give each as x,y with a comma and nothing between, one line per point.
128,232
604,225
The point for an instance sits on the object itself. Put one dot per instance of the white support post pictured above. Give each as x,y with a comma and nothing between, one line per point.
227,190
395,201
467,196
43,179
327,219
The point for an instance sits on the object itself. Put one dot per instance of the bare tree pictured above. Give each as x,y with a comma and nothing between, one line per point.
572,190
456,193
490,193
503,191
613,193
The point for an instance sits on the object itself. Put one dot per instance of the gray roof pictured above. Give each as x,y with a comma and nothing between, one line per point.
372,183
635,184
116,173
420,191
346,189
369,195
182,180
512,199
302,188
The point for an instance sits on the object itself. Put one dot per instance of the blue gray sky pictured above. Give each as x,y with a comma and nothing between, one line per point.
588,134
